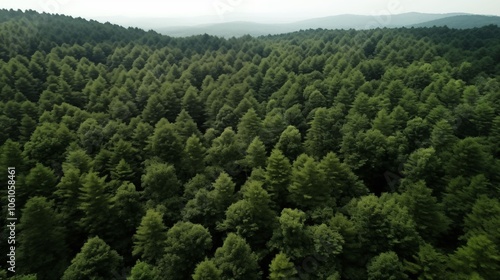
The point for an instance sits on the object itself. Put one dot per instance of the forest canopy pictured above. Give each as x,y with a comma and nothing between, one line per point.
319,154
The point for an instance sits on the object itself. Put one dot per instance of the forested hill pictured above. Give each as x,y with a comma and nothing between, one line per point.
320,154
27,32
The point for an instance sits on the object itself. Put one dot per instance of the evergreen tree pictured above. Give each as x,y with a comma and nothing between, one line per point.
281,268
161,186
236,260
96,260
249,127
278,176
386,266
479,255
428,263
319,138
186,245
149,240
251,217
94,201
207,270
290,143
255,155
144,271
41,234
165,143
194,152
425,210
307,189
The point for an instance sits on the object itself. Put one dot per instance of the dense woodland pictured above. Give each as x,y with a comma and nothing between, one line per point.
319,154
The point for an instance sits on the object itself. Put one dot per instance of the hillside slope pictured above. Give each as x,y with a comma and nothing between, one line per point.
462,21
358,22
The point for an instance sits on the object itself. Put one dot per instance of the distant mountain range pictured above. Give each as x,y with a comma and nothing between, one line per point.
230,29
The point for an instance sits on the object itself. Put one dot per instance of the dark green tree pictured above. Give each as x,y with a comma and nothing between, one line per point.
41,234
207,270
149,240
278,176
386,266
94,201
290,143
236,260
186,245
96,260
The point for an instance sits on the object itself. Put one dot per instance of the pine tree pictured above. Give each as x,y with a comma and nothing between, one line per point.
194,152
149,240
96,260
94,201
307,189
278,176
383,123
165,143
192,104
249,127
281,268
290,143
319,138
386,266
255,155
425,210
480,255
185,126
122,172
207,270
161,187
144,271
186,245
252,217
41,234
236,260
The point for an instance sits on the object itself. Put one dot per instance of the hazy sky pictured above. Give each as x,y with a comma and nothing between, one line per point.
256,10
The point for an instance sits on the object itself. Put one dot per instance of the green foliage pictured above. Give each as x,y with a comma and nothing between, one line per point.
251,217
281,268
291,235
160,182
307,189
320,137
196,135
165,142
96,260
194,152
480,255
186,245
386,266
484,219
144,271
47,143
255,155
236,260
428,264
207,270
94,200
41,233
278,176
225,151
290,143
150,237
249,127
425,210
383,223
208,207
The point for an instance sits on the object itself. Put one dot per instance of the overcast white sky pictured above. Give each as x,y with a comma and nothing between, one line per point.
256,10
